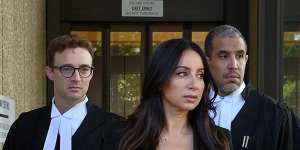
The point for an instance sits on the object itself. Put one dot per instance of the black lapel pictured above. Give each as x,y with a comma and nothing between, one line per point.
92,120
244,124
247,91
42,126
248,111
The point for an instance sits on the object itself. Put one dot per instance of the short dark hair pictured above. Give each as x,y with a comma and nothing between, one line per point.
222,31
60,43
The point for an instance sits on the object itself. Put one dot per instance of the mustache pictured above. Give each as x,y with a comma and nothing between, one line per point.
232,73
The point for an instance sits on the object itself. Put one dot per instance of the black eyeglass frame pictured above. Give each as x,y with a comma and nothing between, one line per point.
74,69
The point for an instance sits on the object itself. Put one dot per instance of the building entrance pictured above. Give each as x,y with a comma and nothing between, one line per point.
122,53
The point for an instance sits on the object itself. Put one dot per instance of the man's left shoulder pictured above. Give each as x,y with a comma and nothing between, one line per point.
275,108
267,107
267,101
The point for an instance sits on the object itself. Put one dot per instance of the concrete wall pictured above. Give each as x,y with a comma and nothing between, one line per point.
22,53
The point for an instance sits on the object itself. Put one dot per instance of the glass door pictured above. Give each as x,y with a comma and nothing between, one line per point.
291,75
121,53
127,63
291,55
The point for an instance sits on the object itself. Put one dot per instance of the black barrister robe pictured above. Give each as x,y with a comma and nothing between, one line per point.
264,124
98,131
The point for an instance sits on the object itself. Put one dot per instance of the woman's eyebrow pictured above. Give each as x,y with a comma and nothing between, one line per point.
184,67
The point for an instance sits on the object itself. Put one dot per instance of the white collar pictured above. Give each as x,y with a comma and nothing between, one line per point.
231,97
227,107
64,124
74,113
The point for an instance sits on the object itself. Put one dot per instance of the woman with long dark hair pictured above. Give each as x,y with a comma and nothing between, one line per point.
173,112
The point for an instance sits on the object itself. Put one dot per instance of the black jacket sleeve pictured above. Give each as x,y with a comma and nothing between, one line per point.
11,139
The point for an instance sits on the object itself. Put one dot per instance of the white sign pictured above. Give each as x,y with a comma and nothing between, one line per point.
7,116
142,8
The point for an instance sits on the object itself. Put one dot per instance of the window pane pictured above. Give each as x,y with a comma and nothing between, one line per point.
126,70
94,37
159,37
199,38
125,93
291,78
125,43
95,92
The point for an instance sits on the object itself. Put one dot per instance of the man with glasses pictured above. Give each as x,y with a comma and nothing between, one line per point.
71,122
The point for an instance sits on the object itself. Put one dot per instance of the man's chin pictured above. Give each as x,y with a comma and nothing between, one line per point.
229,88
75,97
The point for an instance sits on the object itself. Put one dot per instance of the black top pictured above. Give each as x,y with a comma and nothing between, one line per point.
98,131
197,146
264,124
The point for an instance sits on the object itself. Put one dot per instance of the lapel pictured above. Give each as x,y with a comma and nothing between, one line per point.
42,125
244,124
248,111
248,114
93,119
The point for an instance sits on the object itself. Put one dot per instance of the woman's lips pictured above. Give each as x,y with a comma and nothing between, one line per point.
191,98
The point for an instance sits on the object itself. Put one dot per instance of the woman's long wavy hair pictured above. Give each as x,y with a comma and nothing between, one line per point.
145,124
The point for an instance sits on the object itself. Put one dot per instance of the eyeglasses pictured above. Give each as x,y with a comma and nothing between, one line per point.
68,71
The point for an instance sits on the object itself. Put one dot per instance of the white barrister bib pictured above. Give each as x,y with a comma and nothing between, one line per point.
227,107
65,125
